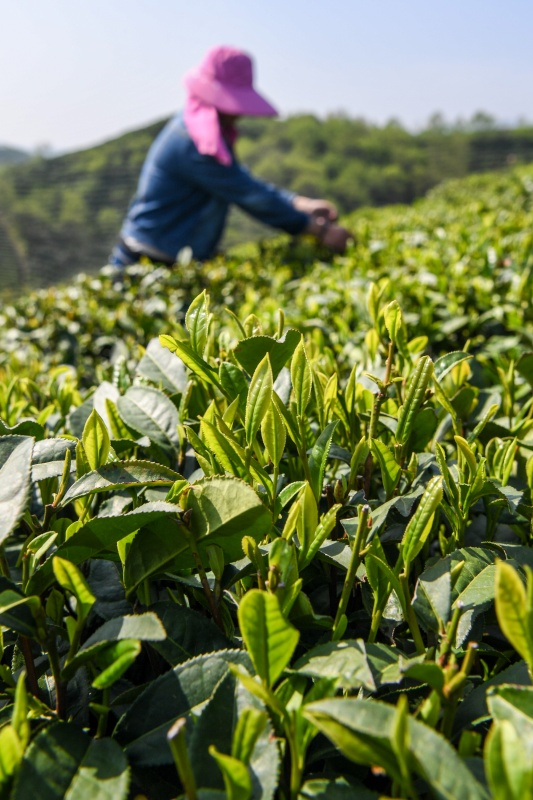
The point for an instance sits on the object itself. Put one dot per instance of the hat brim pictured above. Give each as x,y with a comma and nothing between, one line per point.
229,100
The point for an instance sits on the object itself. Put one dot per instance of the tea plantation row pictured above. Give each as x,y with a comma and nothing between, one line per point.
265,522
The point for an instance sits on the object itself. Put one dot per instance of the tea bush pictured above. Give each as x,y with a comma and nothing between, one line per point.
266,521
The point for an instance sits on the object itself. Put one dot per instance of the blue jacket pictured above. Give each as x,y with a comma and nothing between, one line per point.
183,198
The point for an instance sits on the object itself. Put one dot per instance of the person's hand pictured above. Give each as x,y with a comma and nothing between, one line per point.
333,236
315,208
336,238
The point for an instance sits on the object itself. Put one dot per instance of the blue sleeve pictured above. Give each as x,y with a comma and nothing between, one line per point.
234,184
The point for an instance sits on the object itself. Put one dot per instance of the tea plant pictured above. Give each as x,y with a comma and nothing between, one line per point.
276,553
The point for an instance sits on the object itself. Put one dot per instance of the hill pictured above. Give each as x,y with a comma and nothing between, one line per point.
61,215
12,155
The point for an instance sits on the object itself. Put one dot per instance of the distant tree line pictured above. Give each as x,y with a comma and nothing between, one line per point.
61,215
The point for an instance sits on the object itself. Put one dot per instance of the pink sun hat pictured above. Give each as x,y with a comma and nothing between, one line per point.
224,80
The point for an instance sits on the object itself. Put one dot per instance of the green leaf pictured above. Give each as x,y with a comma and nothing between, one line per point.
142,730
375,576
237,780
474,707
420,523
449,482
11,752
97,535
224,510
274,434
327,523
250,725
396,326
234,384
319,457
416,392
114,660
70,578
121,475
151,413
197,321
344,661
223,448
269,637
433,598
95,440
15,481
259,399
192,360
287,494
287,417
16,610
447,362
509,773
161,367
305,518
48,458
336,789
465,449
189,633
363,730
64,762
524,366
250,352
135,627
390,469
513,612
217,726
301,377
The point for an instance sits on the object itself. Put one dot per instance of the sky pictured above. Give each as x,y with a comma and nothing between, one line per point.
79,72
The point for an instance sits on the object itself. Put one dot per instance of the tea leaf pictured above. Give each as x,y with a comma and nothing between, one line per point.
259,398
512,610
64,761
15,481
268,637
95,440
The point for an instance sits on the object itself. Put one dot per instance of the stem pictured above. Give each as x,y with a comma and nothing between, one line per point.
451,633
377,614
355,560
25,646
55,666
453,690
374,419
4,566
215,611
302,452
411,617
102,720
75,643
296,766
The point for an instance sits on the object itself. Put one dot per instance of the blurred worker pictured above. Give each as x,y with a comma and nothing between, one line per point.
191,175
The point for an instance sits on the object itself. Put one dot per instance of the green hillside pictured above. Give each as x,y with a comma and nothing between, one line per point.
59,216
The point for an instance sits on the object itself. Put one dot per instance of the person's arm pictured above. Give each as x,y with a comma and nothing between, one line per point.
234,184
276,207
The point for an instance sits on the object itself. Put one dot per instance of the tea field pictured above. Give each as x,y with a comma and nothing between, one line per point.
266,522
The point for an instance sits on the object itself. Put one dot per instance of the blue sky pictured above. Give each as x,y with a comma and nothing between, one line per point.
77,72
